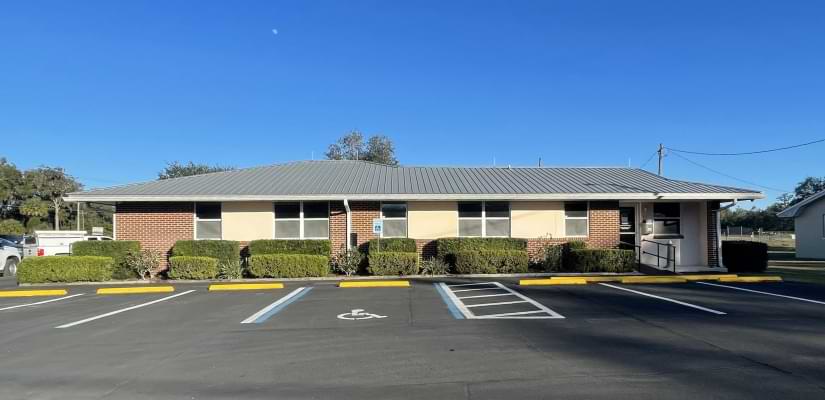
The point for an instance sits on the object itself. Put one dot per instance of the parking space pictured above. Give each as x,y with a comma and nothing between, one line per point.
407,335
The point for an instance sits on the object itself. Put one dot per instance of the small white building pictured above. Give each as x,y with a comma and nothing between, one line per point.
809,224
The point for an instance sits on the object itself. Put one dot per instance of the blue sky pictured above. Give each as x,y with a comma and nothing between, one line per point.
113,90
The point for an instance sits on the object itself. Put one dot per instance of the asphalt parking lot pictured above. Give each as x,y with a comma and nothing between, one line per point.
463,339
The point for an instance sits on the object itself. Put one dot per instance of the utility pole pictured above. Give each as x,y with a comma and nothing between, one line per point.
661,157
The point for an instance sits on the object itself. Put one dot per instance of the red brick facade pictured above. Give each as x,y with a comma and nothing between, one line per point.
156,225
159,225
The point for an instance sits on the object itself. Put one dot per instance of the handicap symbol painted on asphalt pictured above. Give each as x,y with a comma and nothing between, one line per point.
359,314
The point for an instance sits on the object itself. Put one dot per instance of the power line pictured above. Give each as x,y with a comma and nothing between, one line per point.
730,176
748,152
648,160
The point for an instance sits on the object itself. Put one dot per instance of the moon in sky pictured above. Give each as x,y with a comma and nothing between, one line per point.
275,31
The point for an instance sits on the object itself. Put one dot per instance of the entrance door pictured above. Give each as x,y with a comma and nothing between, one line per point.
627,228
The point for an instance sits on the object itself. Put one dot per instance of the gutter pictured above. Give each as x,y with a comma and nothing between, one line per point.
349,223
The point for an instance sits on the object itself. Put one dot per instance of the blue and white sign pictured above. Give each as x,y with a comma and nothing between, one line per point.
377,226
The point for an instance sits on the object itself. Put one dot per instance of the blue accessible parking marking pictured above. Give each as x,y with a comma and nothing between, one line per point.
274,308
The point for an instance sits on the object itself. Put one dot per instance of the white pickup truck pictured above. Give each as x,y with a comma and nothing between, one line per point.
10,255
55,243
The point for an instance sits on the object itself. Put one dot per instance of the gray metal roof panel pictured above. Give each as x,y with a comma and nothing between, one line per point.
362,178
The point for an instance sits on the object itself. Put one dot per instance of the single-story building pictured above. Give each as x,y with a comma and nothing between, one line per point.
809,226
669,222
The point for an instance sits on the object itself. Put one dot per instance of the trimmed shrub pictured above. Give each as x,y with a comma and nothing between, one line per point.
223,250
554,257
601,260
269,246
192,267
117,249
576,245
65,269
392,245
447,248
435,266
393,263
492,262
744,256
288,265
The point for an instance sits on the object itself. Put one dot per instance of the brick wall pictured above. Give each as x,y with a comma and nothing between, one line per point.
337,226
713,234
604,224
156,225
363,212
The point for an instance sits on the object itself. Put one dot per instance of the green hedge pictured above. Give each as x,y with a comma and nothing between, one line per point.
65,269
192,267
447,248
117,249
491,262
315,247
744,256
223,250
393,263
554,257
393,245
288,265
600,260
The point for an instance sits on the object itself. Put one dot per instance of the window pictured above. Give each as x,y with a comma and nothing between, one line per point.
207,220
484,219
667,219
302,220
395,219
575,219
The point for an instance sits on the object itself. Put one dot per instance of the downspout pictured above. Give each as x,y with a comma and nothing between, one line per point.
719,230
349,223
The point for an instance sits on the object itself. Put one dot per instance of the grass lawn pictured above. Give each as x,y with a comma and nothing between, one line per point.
800,272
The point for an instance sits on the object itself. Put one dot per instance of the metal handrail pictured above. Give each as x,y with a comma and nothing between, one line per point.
658,255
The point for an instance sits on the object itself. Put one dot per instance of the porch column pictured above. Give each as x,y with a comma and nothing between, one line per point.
713,233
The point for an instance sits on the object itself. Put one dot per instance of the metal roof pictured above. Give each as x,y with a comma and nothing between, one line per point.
333,180
795,210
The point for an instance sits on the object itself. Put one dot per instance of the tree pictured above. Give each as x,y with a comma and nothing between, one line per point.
11,182
381,150
176,170
51,184
807,188
378,149
11,227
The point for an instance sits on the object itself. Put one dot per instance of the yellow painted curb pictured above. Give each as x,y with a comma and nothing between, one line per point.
136,290
752,279
603,278
553,281
708,277
653,279
33,293
371,284
244,286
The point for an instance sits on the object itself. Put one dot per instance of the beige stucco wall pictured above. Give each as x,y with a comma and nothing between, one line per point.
535,219
244,221
432,219
810,242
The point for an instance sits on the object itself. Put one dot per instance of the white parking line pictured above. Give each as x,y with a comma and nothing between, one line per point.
710,310
266,312
760,292
473,284
109,314
464,309
41,302
496,304
471,290
485,295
